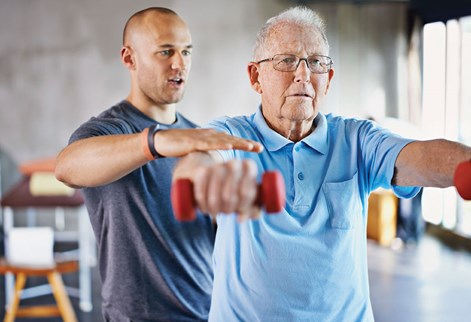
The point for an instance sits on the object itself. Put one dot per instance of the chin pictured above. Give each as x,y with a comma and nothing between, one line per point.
175,98
300,113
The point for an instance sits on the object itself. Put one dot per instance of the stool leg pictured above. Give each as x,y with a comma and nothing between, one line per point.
61,296
15,302
86,259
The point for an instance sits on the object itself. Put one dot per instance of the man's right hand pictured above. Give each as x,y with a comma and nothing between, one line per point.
103,159
179,142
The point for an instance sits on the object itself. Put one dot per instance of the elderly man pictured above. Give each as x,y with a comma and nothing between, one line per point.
153,268
308,263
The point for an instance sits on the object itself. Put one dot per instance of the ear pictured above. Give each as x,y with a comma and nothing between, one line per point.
331,75
127,57
252,69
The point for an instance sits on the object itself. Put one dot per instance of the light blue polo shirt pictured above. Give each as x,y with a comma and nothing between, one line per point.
307,263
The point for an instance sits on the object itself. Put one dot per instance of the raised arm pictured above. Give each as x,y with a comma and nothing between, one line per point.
103,159
429,163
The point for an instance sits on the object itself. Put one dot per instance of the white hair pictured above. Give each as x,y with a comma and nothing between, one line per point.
298,15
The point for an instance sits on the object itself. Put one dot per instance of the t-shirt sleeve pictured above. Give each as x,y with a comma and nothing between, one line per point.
99,127
380,149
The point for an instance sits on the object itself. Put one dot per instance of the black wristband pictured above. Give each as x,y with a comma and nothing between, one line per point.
150,140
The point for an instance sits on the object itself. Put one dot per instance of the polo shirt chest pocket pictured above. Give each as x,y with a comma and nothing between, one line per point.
343,203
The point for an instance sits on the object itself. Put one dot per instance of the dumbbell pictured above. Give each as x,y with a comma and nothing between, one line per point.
462,179
271,195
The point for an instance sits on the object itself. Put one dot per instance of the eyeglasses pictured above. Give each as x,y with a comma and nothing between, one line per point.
317,64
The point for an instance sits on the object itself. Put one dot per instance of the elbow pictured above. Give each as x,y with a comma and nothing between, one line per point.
63,174
60,174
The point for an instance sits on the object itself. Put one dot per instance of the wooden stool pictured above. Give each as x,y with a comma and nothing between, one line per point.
19,197
54,276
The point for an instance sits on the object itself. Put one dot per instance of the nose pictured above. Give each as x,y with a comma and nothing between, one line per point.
179,61
302,72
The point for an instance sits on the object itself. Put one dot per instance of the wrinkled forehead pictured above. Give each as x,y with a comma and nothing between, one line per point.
290,38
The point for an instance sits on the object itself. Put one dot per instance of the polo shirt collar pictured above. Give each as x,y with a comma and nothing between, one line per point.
318,138
273,141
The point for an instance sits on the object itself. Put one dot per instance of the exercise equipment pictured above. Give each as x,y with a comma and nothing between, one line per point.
271,195
462,179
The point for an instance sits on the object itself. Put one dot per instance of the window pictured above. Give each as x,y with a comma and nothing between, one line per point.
446,110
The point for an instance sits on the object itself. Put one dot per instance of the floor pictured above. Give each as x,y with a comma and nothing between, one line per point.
428,282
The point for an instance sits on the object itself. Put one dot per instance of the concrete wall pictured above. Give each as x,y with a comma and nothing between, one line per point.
59,63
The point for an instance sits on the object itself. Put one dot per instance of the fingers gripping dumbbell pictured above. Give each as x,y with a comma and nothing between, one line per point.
271,195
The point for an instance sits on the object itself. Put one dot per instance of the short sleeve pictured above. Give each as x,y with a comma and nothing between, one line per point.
380,149
99,127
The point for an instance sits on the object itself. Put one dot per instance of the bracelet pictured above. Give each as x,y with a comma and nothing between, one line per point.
150,140
145,146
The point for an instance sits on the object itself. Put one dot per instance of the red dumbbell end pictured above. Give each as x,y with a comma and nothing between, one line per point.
273,192
462,179
183,201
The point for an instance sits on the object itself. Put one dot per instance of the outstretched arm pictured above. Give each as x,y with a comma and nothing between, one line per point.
429,163
103,159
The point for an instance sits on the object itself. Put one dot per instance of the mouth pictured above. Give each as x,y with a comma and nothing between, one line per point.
301,95
177,81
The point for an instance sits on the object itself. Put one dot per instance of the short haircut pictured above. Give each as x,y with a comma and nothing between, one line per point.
298,15
140,14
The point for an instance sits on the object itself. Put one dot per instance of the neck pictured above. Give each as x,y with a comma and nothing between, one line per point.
293,130
165,114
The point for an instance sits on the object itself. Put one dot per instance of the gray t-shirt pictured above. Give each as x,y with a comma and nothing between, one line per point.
153,267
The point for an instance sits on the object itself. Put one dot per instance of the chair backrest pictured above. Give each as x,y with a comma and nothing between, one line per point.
30,246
